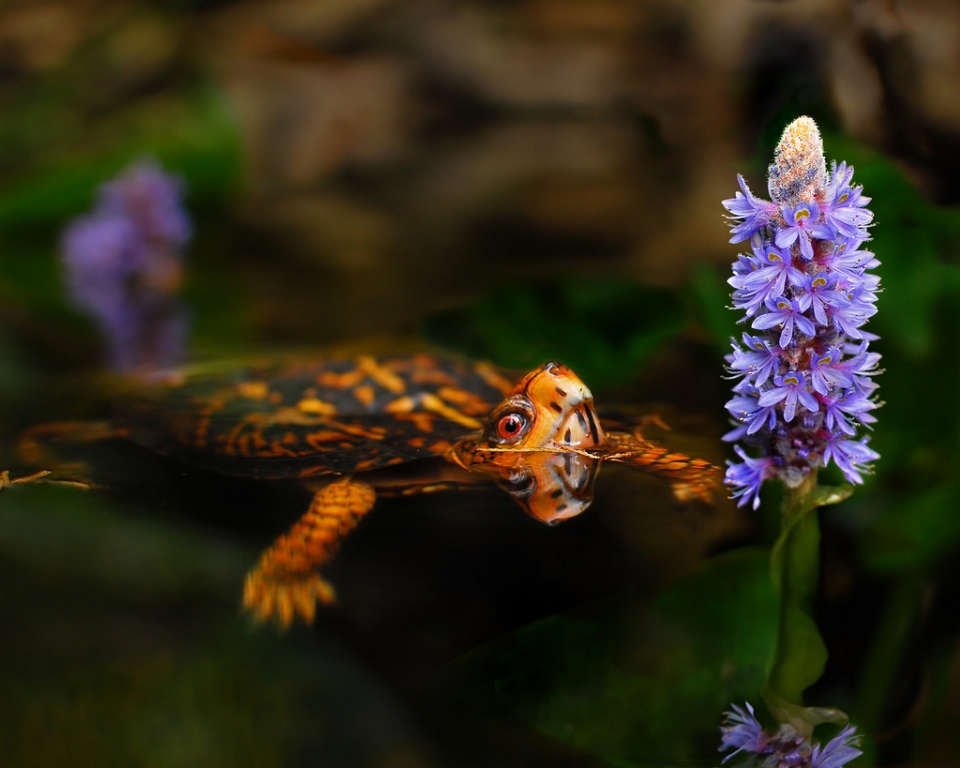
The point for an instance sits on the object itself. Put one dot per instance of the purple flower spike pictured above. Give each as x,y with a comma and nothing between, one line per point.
124,263
804,385
784,747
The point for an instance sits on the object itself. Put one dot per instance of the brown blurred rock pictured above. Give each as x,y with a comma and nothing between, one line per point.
303,120
914,50
504,55
306,22
345,233
40,35
437,143
138,49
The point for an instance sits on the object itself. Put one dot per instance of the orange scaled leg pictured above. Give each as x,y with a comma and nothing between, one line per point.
689,478
285,582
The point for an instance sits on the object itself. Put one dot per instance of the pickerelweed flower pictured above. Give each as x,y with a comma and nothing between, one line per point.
124,265
783,748
803,373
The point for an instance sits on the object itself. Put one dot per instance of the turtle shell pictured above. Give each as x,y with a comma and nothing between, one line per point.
304,419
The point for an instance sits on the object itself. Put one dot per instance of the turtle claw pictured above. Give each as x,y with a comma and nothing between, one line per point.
285,598
43,476
646,421
698,489
6,482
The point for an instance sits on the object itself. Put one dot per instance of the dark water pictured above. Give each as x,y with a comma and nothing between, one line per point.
125,640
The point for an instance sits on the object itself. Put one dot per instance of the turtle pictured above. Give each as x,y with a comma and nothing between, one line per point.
353,428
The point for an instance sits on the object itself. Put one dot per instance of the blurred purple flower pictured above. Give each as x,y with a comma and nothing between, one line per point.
124,264
805,380
783,748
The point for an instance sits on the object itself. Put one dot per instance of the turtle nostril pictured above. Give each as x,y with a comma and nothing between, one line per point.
552,368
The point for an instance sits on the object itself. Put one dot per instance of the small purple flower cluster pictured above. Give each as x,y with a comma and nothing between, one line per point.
805,381
784,748
124,265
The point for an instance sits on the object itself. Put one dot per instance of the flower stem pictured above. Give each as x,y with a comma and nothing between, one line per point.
800,655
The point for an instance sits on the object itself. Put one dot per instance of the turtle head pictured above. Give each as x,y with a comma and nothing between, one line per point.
536,444
550,408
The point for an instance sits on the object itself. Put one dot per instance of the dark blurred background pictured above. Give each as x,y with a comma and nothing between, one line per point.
513,179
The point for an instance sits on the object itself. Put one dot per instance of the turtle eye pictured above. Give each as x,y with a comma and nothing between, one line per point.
511,426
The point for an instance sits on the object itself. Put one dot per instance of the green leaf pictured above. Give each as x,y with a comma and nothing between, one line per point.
803,719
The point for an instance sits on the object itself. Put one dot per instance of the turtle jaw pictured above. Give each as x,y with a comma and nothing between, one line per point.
580,429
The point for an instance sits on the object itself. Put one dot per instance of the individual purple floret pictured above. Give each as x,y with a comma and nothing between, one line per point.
803,372
124,265
743,731
838,752
783,748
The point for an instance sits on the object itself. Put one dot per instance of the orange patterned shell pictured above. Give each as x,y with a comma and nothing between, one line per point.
319,418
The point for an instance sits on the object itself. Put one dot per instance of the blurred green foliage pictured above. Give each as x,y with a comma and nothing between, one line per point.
647,686
913,525
604,329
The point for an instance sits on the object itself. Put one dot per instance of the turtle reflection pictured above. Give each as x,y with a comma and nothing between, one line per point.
551,487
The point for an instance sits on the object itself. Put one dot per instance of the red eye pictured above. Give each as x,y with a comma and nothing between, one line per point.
510,426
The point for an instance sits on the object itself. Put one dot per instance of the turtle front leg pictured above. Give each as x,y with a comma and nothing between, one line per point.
689,478
286,581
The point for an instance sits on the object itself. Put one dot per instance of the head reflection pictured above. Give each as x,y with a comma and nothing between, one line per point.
550,487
